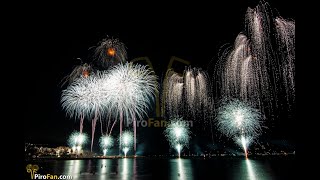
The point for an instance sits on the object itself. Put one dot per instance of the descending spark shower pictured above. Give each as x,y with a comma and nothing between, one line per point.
251,79
260,67
187,95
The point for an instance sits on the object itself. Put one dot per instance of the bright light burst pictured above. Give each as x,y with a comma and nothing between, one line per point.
244,142
126,141
106,142
236,118
178,134
239,121
77,140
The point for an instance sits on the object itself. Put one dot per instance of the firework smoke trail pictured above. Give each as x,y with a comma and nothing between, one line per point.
106,142
128,92
285,31
76,140
126,141
84,99
178,134
239,121
110,52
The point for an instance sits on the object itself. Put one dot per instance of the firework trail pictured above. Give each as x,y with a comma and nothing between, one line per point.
126,141
178,134
128,92
106,142
110,52
239,121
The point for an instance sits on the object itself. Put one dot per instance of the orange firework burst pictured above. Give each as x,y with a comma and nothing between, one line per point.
85,73
111,52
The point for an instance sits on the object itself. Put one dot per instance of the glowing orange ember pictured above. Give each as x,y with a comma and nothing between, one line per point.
85,73
111,51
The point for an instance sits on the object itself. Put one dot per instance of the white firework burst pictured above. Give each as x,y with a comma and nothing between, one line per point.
177,133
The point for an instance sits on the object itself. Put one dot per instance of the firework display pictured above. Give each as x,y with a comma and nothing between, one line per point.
124,91
76,141
106,142
126,141
109,52
239,121
259,69
187,95
246,91
178,134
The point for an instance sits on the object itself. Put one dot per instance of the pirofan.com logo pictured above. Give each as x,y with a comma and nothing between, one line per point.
32,169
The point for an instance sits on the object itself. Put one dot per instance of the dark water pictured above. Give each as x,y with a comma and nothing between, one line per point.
147,168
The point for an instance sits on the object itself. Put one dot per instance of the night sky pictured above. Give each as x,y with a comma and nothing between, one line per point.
61,35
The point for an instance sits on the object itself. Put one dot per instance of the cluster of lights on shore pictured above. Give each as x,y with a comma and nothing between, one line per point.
121,93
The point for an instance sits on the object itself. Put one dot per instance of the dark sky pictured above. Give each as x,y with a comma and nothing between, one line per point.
194,32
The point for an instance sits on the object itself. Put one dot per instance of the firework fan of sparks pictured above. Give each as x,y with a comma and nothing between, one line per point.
235,118
106,142
84,97
126,139
77,139
110,52
177,132
129,90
